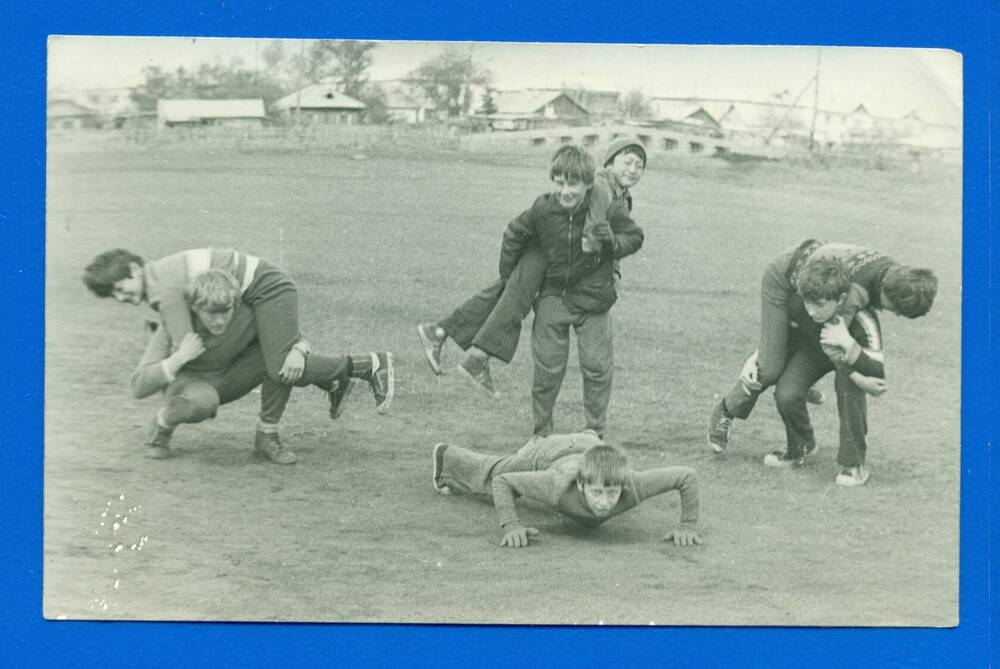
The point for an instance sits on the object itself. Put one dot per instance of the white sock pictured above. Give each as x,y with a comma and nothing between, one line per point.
160,420
271,428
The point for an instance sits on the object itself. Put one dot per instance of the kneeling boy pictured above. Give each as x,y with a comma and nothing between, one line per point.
576,474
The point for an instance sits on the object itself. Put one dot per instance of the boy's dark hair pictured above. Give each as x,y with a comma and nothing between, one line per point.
910,289
604,465
107,269
823,279
573,164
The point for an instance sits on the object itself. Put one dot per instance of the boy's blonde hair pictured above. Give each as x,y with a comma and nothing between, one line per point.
602,465
214,291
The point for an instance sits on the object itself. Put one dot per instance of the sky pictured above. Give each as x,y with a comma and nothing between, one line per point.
889,82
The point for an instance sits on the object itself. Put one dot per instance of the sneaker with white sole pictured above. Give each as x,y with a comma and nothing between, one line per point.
438,454
851,477
478,372
782,459
432,337
719,427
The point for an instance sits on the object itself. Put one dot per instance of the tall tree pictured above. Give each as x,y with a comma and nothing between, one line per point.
376,103
448,78
489,105
636,106
312,63
351,62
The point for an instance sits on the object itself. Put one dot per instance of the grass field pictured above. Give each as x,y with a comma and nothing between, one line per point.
353,532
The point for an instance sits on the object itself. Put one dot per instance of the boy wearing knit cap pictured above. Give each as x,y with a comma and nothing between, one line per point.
488,325
575,474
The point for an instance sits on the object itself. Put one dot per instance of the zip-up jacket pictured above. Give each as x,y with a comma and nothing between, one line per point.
584,281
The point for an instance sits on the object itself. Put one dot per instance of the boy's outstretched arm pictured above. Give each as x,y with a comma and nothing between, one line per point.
515,237
653,482
539,486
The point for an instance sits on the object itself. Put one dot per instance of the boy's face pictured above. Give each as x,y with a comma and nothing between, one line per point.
887,303
570,193
601,499
215,322
823,310
626,168
131,289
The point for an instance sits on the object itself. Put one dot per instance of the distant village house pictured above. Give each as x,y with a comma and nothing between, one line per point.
69,115
532,108
220,113
320,104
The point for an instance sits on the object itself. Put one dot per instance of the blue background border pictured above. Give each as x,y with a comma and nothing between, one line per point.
26,638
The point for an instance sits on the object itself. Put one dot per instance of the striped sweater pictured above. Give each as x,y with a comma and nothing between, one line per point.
167,281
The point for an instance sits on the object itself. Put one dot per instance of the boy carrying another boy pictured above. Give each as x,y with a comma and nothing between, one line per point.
488,325
576,474
220,361
578,290
828,327
269,292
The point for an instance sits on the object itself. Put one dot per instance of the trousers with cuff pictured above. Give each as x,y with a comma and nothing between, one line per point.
491,319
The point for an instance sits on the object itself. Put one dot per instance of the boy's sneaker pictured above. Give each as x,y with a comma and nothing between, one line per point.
719,427
158,442
268,445
782,459
815,396
338,394
382,379
438,453
478,371
432,343
851,477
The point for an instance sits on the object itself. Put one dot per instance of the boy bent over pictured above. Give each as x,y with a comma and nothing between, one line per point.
220,361
576,474
822,340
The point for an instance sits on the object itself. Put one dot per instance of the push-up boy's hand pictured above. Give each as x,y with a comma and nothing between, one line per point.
517,537
683,537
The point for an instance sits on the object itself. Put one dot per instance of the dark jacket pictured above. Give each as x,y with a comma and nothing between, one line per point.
585,281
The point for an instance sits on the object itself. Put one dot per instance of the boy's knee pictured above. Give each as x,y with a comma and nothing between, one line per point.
789,397
195,403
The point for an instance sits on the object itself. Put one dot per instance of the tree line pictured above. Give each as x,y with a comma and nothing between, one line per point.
447,80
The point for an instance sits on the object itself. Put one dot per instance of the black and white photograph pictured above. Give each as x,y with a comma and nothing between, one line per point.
373,331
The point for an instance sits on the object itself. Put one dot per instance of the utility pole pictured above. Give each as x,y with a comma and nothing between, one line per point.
812,128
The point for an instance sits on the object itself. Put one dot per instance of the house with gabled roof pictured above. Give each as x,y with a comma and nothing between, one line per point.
320,104
535,108
70,115
405,104
173,113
